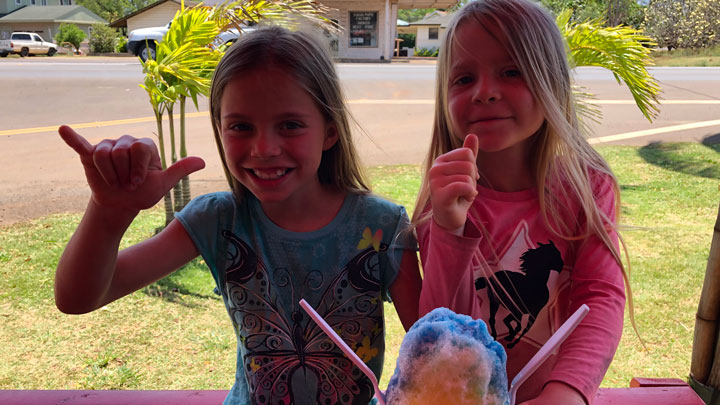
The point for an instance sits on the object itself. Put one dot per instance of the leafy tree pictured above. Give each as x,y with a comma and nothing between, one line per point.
663,22
70,34
613,12
102,39
408,40
413,14
701,26
112,10
684,23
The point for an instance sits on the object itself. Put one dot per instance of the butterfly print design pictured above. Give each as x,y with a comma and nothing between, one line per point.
288,358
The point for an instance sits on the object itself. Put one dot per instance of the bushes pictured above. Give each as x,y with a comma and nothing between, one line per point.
70,34
121,45
102,39
427,52
408,40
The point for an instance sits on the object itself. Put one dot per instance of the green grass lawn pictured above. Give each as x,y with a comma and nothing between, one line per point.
175,334
687,57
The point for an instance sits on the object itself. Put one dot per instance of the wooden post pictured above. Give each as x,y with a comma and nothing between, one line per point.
705,365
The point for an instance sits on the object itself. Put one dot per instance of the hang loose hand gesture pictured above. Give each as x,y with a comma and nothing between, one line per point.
126,173
453,185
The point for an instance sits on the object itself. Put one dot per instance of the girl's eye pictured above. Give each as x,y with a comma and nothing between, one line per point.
462,80
239,127
512,73
290,125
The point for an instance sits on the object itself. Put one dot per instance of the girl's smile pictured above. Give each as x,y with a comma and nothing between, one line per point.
269,174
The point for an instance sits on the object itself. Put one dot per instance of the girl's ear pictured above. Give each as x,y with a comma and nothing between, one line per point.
331,136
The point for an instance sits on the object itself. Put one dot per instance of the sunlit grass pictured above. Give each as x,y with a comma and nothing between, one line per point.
687,57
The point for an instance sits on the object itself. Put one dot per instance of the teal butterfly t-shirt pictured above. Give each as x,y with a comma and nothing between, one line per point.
262,271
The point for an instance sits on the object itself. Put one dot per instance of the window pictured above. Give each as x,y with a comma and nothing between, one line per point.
66,2
32,2
363,28
43,2
433,33
18,2
21,37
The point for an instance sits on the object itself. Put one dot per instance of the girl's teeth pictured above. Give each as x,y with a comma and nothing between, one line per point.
269,174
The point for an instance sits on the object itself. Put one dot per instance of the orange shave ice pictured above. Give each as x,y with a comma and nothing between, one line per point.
446,358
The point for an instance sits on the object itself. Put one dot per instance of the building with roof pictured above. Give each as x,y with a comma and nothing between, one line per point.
44,17
430,29
369,27
156,14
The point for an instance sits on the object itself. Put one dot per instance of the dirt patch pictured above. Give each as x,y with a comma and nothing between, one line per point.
24,202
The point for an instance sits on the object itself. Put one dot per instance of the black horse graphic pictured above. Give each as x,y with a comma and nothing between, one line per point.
523,292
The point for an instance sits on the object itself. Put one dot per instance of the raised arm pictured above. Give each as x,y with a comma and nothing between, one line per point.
125,176
448,241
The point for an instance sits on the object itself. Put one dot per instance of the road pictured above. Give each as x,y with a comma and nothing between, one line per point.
392,103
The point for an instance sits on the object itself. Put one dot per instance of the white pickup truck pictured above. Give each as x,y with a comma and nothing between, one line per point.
26,43
142,41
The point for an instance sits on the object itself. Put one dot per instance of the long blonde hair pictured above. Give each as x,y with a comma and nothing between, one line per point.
562,161
301,55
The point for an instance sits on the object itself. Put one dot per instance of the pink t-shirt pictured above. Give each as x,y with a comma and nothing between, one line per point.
539,280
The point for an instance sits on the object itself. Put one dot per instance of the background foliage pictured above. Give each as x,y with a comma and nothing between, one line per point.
70,34
112,10
103,39
683,23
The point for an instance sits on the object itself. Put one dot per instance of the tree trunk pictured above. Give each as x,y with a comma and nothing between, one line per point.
185,182
163,163
705,365
177,192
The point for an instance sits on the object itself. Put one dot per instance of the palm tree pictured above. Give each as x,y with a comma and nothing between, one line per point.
186,59
624,51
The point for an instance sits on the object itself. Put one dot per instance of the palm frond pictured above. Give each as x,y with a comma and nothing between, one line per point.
289,14
624,51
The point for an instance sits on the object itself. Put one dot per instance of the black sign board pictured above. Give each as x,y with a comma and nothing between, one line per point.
363,28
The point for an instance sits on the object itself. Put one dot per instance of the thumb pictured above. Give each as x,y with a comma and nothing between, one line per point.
182,168
471,142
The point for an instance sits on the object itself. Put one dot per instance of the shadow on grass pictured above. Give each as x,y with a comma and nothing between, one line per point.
666,155
173,288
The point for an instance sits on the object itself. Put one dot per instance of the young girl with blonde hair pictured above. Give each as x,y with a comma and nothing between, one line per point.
517,213
300,222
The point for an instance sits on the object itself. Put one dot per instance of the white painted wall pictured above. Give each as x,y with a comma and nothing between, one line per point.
157,16
422,39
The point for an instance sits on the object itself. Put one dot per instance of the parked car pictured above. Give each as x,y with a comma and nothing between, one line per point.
27,43
143,41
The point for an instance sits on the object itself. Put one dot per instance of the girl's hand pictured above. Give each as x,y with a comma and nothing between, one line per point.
453,185
557,393
126,173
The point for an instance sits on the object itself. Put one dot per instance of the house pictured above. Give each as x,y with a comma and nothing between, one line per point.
368,31
430,29
156,14
370,27
44,17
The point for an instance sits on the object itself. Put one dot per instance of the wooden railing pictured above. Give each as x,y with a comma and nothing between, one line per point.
642,391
